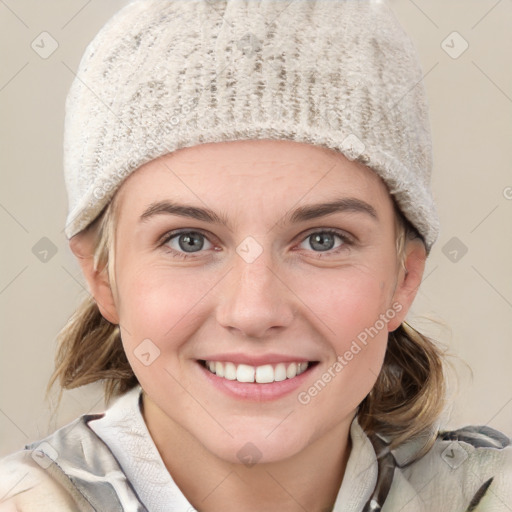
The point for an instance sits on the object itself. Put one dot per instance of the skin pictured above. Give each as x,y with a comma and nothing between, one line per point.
294,298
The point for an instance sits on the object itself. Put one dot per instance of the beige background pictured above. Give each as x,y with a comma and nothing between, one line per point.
471,113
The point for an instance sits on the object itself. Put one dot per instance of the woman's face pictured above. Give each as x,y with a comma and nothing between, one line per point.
254,256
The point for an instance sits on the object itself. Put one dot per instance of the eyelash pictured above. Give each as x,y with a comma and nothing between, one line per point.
347,241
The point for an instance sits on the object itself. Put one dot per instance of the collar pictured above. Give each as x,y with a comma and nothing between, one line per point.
123,429
372,469
368,477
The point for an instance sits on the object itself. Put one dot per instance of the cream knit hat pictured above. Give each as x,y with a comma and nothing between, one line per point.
167,74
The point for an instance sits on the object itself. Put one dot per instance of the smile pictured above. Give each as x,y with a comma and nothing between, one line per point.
264,374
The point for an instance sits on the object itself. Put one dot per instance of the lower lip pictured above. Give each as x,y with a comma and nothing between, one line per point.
255,391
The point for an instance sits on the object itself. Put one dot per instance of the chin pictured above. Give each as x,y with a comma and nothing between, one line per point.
256,444
249,453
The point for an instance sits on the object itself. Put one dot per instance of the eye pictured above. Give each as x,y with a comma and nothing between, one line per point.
182,244
185,242
325,240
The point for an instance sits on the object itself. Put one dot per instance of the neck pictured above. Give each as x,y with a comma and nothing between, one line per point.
309,480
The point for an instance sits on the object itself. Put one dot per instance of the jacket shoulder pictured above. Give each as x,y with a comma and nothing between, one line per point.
478,436
74,466
46,475
26,485
472,464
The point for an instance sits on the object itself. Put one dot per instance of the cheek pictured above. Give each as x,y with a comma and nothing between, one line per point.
161,305
160,311
352,309
349,303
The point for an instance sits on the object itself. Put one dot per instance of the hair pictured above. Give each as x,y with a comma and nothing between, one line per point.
89,347
405,402
409,395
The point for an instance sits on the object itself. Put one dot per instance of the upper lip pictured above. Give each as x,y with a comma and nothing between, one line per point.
253,360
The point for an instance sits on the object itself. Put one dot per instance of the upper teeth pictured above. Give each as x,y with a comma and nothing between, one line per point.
261,374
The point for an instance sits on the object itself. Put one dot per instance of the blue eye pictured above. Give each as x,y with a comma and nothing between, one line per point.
324,240
187,241
183,244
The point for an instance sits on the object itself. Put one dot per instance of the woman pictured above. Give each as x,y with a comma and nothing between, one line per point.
251,208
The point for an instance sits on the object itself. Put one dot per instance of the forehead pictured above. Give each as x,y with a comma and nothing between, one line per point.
275,158
252,172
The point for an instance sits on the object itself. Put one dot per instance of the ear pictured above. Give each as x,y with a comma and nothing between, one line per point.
408,282
82,246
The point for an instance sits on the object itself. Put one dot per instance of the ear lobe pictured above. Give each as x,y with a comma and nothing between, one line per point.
82,246
408,281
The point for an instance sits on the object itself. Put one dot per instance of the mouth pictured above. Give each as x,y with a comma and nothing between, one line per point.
263,374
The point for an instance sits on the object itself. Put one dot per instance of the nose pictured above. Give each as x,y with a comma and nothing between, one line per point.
255,298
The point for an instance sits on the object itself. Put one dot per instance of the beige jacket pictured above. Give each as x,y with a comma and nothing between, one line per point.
108,462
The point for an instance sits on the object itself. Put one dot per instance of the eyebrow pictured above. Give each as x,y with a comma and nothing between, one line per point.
301,214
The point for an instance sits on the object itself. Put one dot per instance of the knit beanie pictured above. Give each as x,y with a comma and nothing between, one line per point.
167,74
